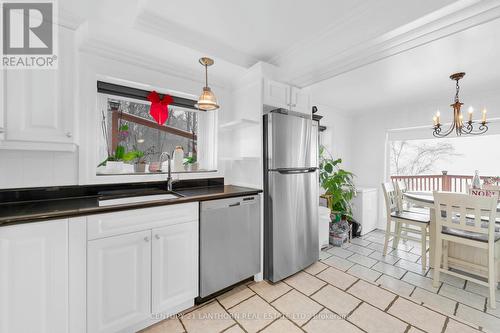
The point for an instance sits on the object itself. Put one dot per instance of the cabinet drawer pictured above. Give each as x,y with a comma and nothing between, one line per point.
109,224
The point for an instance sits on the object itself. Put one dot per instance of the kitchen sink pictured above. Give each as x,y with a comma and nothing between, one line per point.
112,200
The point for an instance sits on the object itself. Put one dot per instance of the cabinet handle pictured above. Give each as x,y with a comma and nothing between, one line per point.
69,134
146,239
157,236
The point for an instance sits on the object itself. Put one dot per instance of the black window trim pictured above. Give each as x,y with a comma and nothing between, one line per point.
140,94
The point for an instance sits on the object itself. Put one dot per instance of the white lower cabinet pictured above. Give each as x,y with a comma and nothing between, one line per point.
119,281
139,277
114,272
175,266
34,277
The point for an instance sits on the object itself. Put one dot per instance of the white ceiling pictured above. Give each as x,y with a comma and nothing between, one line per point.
421,74
291,33
354,54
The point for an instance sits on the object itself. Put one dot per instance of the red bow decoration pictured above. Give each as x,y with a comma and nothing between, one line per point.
159,107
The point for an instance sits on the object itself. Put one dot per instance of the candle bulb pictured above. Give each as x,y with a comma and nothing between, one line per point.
484,115
471,110
438,116
435,120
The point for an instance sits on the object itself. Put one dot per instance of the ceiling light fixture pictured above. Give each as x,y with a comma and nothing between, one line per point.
458,125
207,100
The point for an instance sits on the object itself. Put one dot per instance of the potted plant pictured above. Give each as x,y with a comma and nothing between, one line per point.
190,163
338,185
140,158
114,163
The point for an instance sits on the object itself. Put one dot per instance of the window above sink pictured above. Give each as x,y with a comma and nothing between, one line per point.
132,142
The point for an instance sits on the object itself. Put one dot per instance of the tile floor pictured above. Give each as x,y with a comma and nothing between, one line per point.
351,289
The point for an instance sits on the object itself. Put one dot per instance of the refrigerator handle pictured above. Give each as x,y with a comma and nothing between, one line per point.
295,171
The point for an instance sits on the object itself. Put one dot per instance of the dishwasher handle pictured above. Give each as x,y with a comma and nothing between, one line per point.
243,201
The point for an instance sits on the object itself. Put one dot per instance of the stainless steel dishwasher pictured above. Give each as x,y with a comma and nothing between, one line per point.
229,242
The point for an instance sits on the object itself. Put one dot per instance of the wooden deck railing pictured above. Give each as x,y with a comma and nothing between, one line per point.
444,182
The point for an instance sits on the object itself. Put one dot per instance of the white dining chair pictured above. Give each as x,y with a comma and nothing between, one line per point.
404,205
460,218
404,222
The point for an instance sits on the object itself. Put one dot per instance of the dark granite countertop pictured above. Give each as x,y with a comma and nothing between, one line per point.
38,210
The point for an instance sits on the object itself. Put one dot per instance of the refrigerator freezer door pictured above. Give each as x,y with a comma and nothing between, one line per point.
289,142
291,241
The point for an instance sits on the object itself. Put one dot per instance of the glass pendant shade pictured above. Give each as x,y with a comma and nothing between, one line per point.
207,100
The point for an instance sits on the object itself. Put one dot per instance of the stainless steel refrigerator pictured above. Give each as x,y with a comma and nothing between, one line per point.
290,193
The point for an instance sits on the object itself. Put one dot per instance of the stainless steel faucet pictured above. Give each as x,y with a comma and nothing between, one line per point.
169,170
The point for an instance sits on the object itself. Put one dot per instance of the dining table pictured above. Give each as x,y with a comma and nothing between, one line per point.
460,256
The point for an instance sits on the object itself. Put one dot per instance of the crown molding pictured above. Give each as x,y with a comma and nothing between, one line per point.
109,50
158,26
449,20
69,19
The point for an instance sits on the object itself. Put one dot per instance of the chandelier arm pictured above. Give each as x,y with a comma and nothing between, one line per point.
483,128
438,129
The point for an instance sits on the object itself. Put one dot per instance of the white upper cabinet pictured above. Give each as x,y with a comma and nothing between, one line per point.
118,285
39,103
281,95
300,101
276,94
34,277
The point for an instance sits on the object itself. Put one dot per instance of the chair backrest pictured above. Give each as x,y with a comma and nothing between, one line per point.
400,191
401,186
465,212
391,198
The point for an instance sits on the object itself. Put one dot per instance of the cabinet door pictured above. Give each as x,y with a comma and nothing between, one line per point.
175,266
39,102
34,277
276,94
300,101
118,281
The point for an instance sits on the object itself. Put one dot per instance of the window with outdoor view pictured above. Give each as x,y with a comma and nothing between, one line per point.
133,142
443,164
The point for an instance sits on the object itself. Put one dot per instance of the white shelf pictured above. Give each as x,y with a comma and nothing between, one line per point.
237,124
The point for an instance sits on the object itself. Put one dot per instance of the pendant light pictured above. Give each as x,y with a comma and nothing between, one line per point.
207,100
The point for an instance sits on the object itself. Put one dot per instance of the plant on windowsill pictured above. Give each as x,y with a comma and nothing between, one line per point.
338,185
190,163
114,163
140,158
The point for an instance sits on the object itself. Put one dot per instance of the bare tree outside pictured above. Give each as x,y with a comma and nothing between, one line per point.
409,158
146,138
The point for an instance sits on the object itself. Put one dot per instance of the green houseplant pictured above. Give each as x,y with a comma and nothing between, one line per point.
189,163
338,185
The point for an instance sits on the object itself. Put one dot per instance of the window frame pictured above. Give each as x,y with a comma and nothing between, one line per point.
209,142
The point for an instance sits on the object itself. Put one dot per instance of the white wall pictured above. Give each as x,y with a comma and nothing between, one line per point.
32,168
25,168
336,137
370,131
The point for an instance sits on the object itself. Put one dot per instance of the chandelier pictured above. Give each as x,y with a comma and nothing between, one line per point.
458,125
